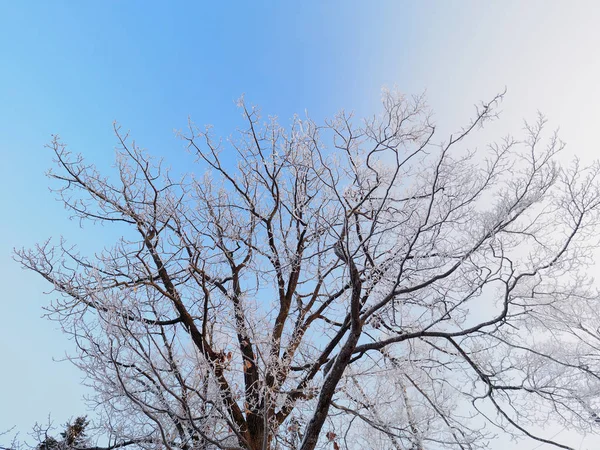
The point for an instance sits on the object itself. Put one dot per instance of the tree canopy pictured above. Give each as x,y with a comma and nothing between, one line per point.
351,284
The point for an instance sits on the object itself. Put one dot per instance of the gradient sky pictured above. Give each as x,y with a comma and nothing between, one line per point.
72,68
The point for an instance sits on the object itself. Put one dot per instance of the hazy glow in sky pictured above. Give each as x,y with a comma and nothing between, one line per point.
73,67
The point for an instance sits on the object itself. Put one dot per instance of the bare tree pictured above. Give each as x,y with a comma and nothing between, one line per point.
346,285
14,442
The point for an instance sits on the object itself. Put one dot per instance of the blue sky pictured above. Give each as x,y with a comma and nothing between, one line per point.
72,68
